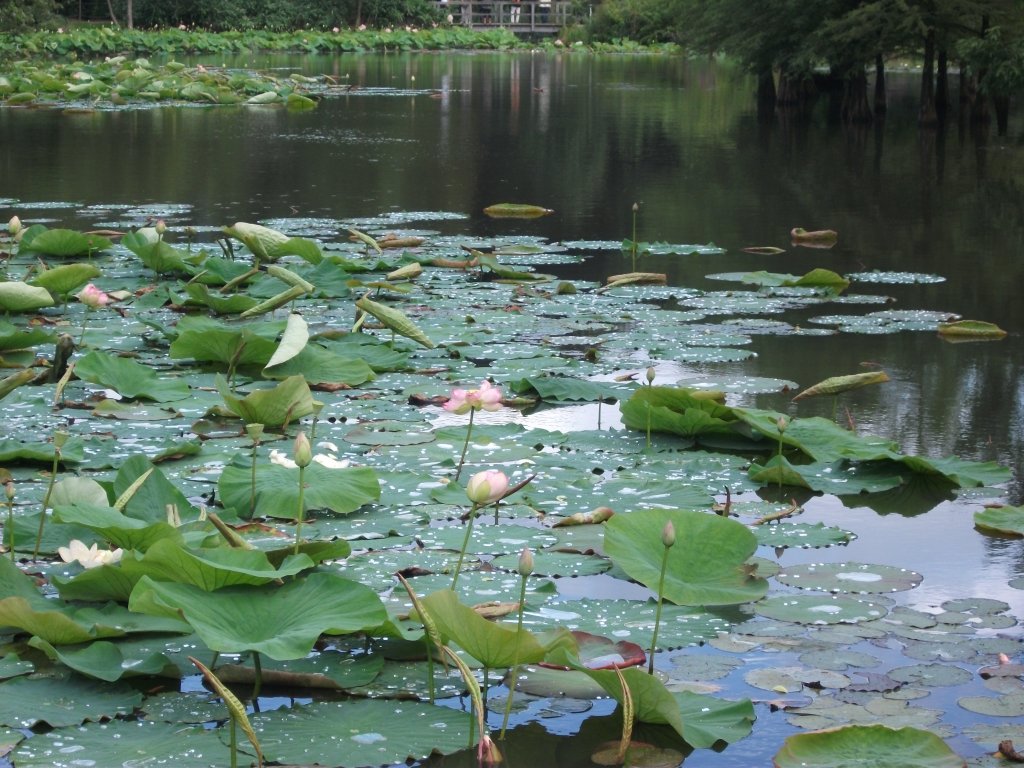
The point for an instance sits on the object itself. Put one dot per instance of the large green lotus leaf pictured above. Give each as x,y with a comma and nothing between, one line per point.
129,378
61,242
867,746
108,582
115,527
262,241
41,453
155,252
211,568
1004,520
329,669
342,490
365,732
13,337
121,742
493,645
281,622
120,618
62,280
103,660
320,366
676,411
60,702
78,490
150,500
277,407
54,625
705,566
804,535
55,535
12,666
859,578
557,563
964,473
233,304
564,388
16,296
207,340
779,472
819,609
379,355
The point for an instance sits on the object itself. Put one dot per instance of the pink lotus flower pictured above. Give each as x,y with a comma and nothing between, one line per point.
93,297
485,488
487,397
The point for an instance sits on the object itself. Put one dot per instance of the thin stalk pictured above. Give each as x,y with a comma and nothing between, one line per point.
465,545
648,426
234,742
496,511
252,487
85,322
257,685
430,668
465,446
46,501
10,526
657,612
302,502
514,672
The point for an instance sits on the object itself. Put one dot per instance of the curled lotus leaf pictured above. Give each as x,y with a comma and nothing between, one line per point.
971,329
395,320
516,211
838,384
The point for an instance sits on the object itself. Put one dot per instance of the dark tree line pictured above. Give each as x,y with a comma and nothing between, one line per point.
796,47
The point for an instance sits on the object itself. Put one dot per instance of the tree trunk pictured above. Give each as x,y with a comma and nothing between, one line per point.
856,108
113,17
359,13
881,103
765,94
942,85
926,115
130,16
1002,105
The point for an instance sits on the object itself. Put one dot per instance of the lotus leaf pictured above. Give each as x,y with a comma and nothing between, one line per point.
972,329
26,701
156,253
864,746
294,339
222,305
801,535
823,609
369,732
838,384
103,660
108,744
281,622
704,565
61,242
16,296
323,368
150,500
13,337
62,280
493,645
1006,520
129,378
516,211
114,526
277,407
207,340
858,578
395,320
268,245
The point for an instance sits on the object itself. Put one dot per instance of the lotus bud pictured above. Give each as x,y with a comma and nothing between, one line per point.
487,751
303,450
525,562
9,490
60,439
650,375
636,207
14,225
93,297
255,432
161,226
668,535
487,487
782,424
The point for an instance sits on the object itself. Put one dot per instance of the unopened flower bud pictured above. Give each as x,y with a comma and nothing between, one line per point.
14,225
161,226
60,439
650,375
636,207
782,423
9,490
254,431
487,487
668,534
303,450
525,562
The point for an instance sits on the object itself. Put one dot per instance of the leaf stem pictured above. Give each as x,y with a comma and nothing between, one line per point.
465,445
514,671
46,501
302,503
657,612
465,544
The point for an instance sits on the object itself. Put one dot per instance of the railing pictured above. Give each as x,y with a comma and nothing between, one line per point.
520,16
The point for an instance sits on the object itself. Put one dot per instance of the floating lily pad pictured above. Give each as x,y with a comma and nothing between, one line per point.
895,278
857,578
1006,520
557,564
793,679
803,535
26,701
366,732
1011,705
931,675
824,609
865,746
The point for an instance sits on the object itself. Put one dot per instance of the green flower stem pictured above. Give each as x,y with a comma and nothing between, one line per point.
234,742
465,445
252,488
302,502
514,672
46,502
85,322
465,544
10,527
257,685
657,612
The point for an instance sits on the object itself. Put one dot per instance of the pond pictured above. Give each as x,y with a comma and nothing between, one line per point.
667,152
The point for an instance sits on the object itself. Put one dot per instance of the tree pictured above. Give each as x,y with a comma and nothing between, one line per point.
25,15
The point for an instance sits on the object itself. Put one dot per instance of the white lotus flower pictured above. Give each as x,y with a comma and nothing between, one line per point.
88,557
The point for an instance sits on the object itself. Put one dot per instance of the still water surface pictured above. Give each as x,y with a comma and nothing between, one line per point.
589,137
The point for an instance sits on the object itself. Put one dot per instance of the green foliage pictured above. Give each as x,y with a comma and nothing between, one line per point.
24,15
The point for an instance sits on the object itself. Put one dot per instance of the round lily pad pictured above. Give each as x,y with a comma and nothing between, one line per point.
858,578
866,746
931,675
894,278
557,564
823,609
803,535
976,605
1011,705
